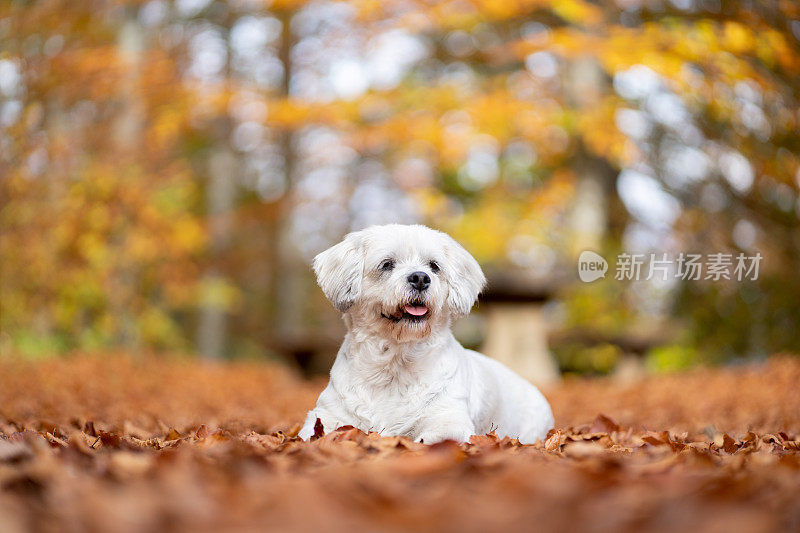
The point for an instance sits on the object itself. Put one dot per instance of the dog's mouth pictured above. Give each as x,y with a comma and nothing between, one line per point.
413,312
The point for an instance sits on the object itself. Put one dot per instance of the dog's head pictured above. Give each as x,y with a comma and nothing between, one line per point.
401,281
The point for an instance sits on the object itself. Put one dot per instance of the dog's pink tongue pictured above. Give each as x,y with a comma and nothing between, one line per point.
416,310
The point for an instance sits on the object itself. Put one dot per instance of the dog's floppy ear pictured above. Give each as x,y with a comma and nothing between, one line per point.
339,271
464,277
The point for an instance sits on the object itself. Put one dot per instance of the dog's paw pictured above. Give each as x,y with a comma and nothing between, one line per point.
306,432
313,428
432,437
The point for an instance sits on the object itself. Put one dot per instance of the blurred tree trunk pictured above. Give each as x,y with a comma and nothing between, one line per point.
222,169
127,135
223,172
597,212
285,275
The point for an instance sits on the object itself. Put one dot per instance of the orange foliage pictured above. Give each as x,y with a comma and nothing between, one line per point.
118,444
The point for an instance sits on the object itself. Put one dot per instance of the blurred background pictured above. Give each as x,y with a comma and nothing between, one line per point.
169,168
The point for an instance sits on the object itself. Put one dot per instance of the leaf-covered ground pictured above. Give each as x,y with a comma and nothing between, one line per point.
115,444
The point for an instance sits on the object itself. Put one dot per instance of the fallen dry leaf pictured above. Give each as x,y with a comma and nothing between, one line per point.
118,444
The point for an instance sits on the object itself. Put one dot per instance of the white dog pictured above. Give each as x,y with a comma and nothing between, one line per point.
400,371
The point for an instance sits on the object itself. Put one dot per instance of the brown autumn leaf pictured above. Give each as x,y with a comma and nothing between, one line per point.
81,442
603,423
112,440
319,430
172,435
348,433
664,439
489,440
272,442
554,441
55,441
342,449
434,459
728,444
219,436
653,440
773,438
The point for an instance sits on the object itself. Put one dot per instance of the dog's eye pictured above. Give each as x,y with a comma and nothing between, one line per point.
434,266
386,265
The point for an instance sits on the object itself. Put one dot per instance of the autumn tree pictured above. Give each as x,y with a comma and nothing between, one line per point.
169,168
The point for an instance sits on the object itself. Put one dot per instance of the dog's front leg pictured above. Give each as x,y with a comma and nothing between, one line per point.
328,411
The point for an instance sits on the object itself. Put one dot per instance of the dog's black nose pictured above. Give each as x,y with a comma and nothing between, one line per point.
419,280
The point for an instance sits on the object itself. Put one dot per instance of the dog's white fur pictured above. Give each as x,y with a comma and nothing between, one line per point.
411,377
